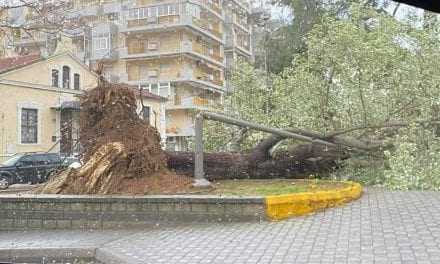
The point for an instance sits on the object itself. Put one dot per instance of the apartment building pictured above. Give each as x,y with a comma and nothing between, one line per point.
183,50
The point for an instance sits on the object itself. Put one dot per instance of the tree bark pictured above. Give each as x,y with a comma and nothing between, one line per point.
297,162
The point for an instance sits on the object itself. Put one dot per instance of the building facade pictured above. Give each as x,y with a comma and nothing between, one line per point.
183,50
39,104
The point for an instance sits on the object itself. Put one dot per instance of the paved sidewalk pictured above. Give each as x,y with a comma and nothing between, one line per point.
381,227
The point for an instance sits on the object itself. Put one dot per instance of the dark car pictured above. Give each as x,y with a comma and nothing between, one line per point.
29,168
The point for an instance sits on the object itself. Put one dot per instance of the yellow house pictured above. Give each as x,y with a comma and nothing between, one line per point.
39,104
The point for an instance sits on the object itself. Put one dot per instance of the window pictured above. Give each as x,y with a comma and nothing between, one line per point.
163,10
55,78
76,83
146,113
172,10
66,77
27,161
29,126
134,13
152,11
194,10
100,43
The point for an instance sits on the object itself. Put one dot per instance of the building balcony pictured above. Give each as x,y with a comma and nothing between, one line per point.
145,50
199,83
105,55
238,22
169,23
244,48
184,131
240,47
210,5
93,9
244,4
193,102
33,39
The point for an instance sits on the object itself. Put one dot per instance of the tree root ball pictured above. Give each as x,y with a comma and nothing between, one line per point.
119,147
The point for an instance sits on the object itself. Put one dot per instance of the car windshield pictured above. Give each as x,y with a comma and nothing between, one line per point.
12,161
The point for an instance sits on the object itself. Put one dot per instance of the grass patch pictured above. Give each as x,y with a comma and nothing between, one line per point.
267,187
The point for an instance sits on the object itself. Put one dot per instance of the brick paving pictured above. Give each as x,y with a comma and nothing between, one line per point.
381,227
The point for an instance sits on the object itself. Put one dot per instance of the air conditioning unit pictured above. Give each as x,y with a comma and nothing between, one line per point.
211,77
211,51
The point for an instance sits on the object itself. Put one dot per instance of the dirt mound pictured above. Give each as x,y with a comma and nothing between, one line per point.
121,150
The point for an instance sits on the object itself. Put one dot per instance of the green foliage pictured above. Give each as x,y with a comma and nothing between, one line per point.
365,69
415,162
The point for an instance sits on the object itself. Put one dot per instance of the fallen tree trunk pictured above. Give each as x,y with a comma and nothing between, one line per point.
297,162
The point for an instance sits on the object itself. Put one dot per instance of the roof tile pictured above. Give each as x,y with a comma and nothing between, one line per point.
7,64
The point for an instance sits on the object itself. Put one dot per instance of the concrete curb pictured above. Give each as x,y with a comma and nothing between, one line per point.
280,207
108,257
23,212
48,255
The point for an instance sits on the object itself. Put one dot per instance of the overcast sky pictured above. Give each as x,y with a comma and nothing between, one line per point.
404,10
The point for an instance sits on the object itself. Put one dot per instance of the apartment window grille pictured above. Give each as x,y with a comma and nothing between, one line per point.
55,78
66,77
29,126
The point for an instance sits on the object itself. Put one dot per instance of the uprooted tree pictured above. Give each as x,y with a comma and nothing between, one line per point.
368,85
122,152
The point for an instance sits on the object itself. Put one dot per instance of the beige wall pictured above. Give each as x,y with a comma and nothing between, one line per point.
177,120
40,72
48,118
155,111
29,87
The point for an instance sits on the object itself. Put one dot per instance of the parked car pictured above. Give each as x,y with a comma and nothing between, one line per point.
68,161
29,168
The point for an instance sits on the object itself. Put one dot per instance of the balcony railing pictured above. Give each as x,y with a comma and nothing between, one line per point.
31,38
177,19
186,130
142,50
195,102
243,3
183,74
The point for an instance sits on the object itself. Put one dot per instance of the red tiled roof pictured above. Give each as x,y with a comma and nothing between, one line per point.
7,64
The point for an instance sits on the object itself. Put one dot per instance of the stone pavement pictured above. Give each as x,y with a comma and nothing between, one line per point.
381,227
